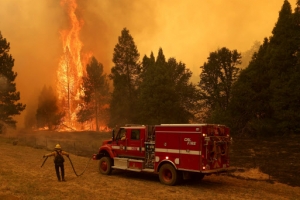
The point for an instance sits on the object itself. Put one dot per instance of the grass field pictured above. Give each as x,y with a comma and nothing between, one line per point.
21,175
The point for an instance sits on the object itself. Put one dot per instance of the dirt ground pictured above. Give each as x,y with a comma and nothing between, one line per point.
263,169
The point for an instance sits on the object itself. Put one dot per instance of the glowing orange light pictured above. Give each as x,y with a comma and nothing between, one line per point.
70,70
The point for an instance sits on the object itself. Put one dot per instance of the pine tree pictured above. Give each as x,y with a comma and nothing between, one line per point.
48,113
125,76
96,94
184,89
284,45
266,97
166,95
250,100
9,96
216,80
285,85
156,97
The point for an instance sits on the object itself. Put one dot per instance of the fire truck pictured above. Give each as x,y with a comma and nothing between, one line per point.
173,151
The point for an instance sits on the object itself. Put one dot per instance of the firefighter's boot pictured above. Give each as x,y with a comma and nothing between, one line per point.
58,178
63,175
63,178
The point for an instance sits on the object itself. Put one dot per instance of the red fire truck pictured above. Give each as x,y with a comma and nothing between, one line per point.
173,151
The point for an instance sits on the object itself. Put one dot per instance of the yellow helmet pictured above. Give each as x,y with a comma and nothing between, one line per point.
57,146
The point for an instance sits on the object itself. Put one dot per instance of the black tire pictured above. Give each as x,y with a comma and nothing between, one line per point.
105,165
168,175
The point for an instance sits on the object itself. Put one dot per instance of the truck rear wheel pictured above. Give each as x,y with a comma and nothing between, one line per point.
105,165
168,175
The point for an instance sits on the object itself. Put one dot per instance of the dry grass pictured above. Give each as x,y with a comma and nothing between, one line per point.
251,174
278,157
21,177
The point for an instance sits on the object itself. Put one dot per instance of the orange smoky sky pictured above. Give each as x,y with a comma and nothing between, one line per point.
187,30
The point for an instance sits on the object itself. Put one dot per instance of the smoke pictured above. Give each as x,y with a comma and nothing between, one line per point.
186,30
104,20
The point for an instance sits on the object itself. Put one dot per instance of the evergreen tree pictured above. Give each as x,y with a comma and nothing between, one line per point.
284,45
30,117
96,94
156,96
48,113
9,96
216,80
125,76
166,96
250,100
184,89
266,96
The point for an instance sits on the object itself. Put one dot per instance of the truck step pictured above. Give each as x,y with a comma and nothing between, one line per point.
148,170
135,170
119,167
120,163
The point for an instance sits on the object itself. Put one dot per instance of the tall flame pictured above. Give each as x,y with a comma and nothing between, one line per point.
70,71
70,68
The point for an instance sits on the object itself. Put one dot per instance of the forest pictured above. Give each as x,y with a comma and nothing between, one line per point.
257,98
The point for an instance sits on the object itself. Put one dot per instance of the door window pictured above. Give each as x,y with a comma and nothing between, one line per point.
135,134
121,134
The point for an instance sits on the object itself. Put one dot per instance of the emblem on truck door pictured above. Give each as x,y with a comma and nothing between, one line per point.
189,141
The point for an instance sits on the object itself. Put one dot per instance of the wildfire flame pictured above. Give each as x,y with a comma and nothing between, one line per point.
70,68
70,71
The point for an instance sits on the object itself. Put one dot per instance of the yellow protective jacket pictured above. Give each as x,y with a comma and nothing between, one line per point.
54,153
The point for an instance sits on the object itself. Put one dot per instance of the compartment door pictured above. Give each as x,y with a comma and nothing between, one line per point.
190,151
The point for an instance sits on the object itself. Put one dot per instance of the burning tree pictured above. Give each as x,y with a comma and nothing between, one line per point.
8,94
70,68
96,91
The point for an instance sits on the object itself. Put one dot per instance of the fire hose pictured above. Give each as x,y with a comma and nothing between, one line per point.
84,168
71,165
44,161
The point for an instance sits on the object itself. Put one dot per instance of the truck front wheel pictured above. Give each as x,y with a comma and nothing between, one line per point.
168,174
105,165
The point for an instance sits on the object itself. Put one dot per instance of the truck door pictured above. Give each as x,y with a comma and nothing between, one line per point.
190,151
130,143
120,144
136,142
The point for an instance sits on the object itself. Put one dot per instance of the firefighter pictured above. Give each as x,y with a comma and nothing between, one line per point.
123,134
58,161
